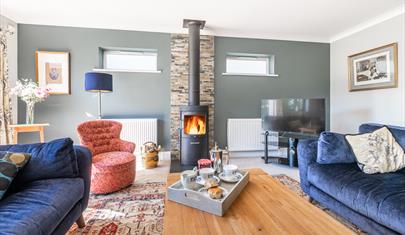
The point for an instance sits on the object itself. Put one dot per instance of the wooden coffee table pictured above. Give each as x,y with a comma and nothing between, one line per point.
265,206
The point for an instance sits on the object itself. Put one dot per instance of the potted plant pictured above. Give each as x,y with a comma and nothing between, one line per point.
30,93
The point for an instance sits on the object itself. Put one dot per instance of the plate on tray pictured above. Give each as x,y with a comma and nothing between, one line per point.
201,181
233,179
204,191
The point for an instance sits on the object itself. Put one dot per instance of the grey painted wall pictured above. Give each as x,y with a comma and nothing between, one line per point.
303,68
134,95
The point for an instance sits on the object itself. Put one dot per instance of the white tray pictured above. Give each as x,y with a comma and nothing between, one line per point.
201,201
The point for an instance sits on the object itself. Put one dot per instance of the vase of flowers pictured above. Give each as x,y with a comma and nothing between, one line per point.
30,93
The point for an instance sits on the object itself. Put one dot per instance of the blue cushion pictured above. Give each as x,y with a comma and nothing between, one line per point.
10,164
55,159
40,206
380,197
333,148
397,131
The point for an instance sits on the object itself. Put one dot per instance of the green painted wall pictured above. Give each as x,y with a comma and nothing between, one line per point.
303,70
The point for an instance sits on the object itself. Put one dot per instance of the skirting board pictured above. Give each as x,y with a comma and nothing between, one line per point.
163,155
280,153
246,154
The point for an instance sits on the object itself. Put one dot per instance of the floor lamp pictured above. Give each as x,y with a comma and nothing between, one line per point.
100,83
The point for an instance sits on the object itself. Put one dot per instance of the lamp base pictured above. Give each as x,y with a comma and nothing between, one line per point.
99,104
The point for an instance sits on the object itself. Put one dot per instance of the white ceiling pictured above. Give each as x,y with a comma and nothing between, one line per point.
301,20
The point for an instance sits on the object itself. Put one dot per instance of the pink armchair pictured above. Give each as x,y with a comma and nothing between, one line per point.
113,159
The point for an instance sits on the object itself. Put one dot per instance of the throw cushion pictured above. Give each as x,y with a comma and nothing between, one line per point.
54,159
333,148
10,164
397,131
377,152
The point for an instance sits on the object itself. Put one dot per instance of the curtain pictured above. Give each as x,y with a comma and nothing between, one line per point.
5,108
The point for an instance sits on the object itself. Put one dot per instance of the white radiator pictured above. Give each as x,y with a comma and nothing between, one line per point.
246,135
139,131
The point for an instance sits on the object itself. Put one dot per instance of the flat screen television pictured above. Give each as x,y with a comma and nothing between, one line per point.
294,115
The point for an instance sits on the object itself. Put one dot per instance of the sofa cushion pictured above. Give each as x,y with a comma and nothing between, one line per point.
55,159
377,152
10,164
333,148
40,206
113,161
380,197
397,131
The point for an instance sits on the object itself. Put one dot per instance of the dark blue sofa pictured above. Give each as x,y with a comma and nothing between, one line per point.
375,203
51,191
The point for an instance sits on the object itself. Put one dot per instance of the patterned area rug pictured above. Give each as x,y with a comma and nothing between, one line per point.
139,209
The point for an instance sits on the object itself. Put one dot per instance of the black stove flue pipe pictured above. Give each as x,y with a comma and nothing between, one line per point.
194,27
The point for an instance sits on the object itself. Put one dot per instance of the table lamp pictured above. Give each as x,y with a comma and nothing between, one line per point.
100,83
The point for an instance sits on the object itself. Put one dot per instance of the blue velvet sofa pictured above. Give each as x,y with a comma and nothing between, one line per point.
50,193
375,203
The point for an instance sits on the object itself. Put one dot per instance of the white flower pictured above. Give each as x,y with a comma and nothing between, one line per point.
29,91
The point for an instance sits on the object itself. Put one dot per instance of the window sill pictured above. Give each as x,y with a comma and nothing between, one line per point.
127,71
250,74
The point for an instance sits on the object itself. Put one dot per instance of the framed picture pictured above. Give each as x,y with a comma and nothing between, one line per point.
374,69
53,71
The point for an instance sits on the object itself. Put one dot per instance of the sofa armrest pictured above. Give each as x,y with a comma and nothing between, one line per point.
307,151
84,158
88,146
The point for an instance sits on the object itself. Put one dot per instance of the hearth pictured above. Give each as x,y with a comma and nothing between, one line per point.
193,117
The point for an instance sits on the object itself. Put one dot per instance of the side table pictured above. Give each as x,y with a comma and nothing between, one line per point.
21,128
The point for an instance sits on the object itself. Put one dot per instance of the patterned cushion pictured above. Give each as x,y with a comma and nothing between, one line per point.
10,164
113,160
377,152
112,171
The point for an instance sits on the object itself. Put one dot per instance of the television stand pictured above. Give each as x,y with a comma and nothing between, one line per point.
292,156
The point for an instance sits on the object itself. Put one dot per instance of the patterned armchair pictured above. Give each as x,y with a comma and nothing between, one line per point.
113,159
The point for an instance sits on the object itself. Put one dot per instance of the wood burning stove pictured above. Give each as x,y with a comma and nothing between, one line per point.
194,117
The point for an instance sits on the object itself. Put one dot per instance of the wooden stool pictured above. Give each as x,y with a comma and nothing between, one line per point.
21,128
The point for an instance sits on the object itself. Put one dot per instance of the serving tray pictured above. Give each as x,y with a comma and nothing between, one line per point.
201,201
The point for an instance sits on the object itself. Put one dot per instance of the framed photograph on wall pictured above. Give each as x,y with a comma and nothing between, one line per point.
53,71
374,69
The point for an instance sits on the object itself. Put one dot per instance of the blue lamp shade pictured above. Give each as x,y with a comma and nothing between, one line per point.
98,82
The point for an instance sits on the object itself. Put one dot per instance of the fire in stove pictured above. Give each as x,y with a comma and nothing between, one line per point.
194,125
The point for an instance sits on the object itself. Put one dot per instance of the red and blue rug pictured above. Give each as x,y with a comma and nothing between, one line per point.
139,209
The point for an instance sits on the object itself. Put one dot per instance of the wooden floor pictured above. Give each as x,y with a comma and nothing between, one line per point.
264,207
